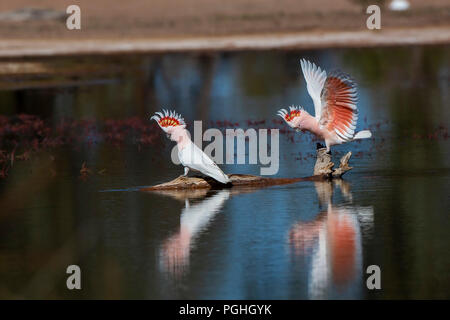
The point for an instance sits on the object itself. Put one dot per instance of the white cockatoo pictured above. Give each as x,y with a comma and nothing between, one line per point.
189,154
334,97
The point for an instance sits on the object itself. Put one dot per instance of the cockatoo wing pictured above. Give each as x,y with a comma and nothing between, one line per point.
339,112
315,80
193,157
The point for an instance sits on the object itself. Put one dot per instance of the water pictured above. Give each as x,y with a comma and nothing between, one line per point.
308,240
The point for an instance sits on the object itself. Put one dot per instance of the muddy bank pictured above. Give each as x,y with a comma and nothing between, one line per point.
29,29
307,40
134,19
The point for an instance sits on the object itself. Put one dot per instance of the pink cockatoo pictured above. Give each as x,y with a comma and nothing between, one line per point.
189,154
334,97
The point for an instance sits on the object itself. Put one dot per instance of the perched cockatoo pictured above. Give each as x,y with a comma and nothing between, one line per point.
189,154
334,97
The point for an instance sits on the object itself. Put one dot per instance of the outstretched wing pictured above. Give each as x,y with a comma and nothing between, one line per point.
339,112
315,79
194,158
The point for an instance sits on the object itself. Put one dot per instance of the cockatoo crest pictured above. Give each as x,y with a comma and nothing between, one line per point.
168,119
293,112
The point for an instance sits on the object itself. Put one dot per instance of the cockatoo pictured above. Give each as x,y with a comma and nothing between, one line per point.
334,97
189,154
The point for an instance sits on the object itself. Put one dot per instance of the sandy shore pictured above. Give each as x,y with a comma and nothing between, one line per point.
180,25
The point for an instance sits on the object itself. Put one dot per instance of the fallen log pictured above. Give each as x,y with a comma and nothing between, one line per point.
237,180
323,170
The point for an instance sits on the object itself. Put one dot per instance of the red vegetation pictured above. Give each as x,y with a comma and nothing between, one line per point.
23,134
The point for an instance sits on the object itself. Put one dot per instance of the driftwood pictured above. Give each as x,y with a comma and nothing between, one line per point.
324,166
237,180
323,170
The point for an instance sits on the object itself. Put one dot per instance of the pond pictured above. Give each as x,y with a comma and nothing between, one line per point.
69,192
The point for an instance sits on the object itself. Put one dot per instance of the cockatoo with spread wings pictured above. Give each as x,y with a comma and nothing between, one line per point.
334,97
189,154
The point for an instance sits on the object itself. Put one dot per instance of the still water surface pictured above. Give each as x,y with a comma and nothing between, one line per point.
309,240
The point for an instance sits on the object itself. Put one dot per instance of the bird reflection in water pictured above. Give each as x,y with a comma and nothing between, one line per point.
194,219
332,242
